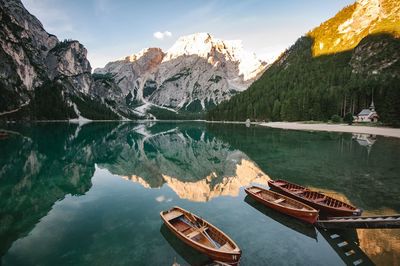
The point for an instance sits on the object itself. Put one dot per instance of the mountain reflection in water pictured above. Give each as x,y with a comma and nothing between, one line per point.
194,164
97,189
377,244
45,162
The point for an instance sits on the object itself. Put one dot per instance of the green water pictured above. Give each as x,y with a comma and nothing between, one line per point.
91,194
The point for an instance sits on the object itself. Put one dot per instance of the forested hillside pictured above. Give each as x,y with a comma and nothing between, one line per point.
300,86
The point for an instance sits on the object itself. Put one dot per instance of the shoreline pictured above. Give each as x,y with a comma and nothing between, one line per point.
381,131
340,128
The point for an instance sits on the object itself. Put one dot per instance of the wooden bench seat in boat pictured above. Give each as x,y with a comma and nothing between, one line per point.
226,247
172,215
297,191
320,199
197,232
255,190
279,201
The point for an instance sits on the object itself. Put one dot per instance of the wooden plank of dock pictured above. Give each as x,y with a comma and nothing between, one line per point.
386,221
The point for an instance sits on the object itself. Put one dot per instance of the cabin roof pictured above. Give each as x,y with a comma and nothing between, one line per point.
364,112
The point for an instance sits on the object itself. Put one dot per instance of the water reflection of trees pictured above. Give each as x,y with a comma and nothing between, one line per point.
327,160
42,163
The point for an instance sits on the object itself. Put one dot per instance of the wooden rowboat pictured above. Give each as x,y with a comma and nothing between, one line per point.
201,235
327,206
283,204
297,225
3,135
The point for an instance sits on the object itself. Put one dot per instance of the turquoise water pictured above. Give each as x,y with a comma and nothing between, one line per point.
91,194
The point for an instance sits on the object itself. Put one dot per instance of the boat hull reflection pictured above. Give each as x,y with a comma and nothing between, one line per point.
190,255
289,222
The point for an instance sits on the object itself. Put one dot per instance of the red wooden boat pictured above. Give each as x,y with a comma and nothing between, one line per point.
201,235
327,206
283,204
3,135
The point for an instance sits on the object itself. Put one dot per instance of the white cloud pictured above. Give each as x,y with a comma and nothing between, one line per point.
160,198
161,35
163,199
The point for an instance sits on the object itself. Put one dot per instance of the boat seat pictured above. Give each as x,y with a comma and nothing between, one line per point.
193,234
279,200
320,199
255,190
297,191
226,247
172,215
197,232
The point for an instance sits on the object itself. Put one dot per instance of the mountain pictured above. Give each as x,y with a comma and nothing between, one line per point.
355,22
38,71
197,72
335,69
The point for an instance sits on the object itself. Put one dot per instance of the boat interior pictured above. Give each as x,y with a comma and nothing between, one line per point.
198,231
278,199
314,196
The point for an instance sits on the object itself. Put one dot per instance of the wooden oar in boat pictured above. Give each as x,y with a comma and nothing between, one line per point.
186,226
195,223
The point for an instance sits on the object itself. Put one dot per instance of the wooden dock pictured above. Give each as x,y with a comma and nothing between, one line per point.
386,221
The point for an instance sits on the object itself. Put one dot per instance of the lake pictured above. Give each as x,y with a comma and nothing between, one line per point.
91,194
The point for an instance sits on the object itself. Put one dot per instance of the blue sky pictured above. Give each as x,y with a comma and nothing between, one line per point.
112,29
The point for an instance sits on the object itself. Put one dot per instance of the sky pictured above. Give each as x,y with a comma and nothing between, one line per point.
113,29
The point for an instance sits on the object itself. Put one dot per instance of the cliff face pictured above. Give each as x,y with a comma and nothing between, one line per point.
355,22
24,45
197,72
37,70
67,60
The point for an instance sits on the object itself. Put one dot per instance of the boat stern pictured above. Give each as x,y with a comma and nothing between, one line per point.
357,212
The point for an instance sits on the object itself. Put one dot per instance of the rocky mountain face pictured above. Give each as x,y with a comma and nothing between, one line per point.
24,47
37,69
335,69
197,72
354,23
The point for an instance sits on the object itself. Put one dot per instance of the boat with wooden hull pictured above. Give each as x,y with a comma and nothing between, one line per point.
327,206
4,135
283,204
297,225
201,235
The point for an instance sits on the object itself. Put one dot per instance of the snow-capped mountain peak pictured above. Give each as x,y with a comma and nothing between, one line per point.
206,46
197,72
199,44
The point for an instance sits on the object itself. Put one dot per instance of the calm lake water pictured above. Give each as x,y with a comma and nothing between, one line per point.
91,194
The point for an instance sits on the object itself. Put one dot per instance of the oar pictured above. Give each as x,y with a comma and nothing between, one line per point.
195,223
